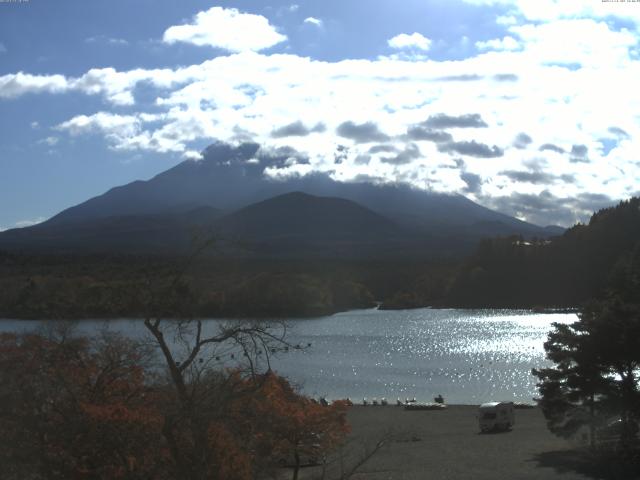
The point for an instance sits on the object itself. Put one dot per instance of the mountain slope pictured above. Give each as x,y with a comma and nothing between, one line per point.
153,233
230,178
566,271
158,215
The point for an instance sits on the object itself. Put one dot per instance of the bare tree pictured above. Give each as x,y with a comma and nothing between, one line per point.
195,354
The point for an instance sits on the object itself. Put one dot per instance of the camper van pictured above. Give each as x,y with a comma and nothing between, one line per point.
496,416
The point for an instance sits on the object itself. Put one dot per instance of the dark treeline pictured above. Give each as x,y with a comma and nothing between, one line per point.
562,272
99,286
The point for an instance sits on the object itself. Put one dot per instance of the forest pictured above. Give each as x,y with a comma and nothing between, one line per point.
503,272
565,271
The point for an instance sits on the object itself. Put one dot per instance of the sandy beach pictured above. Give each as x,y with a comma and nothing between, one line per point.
447,445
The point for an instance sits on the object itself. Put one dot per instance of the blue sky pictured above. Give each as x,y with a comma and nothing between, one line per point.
526,106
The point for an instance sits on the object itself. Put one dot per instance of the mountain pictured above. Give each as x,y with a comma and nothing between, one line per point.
152,233
299,224
160,214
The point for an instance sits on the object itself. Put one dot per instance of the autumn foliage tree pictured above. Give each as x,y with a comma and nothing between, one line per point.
76,408
98,408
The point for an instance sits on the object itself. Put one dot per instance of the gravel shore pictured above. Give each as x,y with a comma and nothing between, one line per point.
447,445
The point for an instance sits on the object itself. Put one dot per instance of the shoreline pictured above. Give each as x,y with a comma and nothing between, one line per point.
276,318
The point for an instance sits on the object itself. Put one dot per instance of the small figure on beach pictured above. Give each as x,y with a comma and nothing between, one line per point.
439,399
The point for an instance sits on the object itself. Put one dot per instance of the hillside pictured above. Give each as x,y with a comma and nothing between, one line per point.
565,271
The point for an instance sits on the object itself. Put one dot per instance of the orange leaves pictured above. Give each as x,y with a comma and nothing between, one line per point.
232,461
284,422
73,411
74,408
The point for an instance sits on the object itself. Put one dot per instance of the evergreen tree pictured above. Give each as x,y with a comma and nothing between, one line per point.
595,377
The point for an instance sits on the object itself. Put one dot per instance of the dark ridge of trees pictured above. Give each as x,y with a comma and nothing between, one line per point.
100,286
565,271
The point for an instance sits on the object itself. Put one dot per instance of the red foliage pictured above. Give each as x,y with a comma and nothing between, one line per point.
86,409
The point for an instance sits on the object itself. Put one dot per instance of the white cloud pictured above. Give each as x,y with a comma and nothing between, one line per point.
548,10
313,21
505,43
24,223
574,78
415,40
192,155
226,28
584,41
14,85
294,7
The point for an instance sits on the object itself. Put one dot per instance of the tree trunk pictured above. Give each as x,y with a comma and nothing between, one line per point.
296,467
592,426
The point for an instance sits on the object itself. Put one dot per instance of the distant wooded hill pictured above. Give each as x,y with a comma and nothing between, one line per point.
565,271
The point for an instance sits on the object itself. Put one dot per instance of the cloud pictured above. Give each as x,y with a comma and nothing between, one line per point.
297,129
410,153
126,132
473,182
441,120
552,147
471,148
118,42
618,132
545,208
507,43
361,133
415,41
383,149
522,140
467,77
228,29
275,99
101,121
313,21
536,177
15,84
29,223
3,49
579,154
551,10
50,141
506,77
419,132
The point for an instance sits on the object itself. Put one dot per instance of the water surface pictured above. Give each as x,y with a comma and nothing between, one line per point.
468,356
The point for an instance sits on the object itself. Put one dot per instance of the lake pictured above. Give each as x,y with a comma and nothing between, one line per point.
468,356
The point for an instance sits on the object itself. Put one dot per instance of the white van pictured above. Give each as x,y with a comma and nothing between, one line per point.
496,416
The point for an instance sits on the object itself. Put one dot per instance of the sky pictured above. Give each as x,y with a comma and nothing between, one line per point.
529,107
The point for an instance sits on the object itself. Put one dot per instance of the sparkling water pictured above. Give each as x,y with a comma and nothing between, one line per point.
467,356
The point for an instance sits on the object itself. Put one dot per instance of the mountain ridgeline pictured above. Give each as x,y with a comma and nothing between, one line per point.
227,195
303,245
585,262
